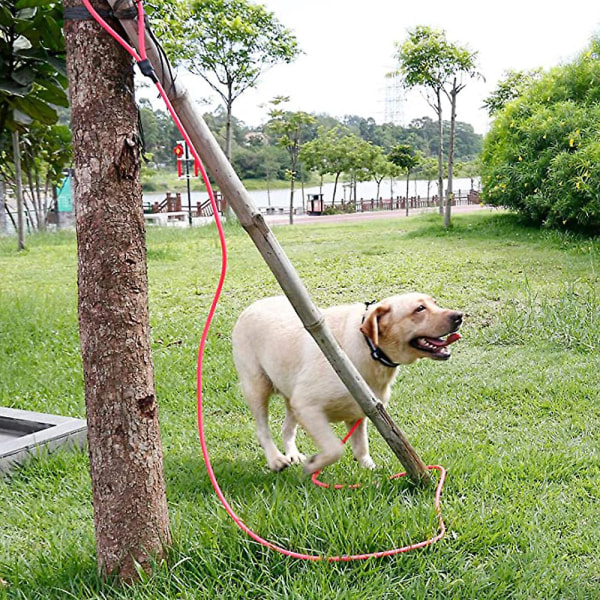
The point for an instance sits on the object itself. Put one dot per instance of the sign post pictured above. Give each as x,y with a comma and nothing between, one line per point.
182,153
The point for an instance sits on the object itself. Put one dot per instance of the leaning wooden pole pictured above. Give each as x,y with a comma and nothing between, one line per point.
253,222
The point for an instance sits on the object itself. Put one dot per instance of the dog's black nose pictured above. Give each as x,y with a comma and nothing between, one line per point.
456,318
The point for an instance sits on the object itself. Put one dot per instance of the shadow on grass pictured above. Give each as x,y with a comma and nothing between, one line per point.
187,477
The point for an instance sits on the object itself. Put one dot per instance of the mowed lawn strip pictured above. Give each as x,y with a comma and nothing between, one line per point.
514,417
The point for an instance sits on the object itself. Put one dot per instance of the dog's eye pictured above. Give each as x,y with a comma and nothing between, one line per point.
420,308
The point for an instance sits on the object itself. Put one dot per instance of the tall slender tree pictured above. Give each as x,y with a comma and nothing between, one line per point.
128,487
421,65
464,62
428,60
406,158
289,128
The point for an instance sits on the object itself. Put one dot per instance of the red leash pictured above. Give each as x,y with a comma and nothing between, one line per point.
148,71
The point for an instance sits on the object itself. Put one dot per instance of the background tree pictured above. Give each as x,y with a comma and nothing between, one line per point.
32,80
510,87
289,128
379,167
362,158
45,151
471,170
405,157
328,153
313,157
256,155
421,65
542,154
462,63
428,170
335,151
229,43
427,60
128,487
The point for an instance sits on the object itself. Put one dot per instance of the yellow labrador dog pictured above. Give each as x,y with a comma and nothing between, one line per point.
273,353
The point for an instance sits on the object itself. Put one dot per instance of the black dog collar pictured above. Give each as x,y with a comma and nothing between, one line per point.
377,353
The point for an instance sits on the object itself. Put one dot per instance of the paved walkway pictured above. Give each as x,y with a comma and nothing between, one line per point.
365,216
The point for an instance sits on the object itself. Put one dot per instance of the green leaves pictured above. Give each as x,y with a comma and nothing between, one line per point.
12,88
24,76
288,128
541,154
38,110
32,58
429,60
228,43
404,157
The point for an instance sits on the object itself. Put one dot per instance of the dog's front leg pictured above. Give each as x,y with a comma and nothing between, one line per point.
359,441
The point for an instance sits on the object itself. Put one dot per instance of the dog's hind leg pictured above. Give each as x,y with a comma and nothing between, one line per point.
257,390
288,434
315,423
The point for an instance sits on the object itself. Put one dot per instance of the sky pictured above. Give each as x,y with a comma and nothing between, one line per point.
349,45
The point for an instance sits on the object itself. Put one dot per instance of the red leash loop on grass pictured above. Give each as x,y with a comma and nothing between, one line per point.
140,58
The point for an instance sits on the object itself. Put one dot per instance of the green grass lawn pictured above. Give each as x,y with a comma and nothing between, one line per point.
514,417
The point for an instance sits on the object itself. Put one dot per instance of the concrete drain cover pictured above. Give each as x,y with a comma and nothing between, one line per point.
23,433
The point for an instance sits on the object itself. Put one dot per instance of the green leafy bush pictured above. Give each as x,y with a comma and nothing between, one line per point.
542,154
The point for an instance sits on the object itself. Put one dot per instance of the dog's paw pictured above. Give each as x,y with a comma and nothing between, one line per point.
295,458
279,462
367,462
312,464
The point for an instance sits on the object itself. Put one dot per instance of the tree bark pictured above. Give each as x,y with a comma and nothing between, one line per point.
440,152
128,488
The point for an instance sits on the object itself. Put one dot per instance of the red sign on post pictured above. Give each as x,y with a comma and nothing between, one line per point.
183,156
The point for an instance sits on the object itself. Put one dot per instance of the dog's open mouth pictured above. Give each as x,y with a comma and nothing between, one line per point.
436,347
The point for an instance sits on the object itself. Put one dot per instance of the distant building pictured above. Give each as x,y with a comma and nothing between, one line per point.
394,101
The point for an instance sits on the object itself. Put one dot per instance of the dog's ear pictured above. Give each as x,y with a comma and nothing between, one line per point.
371,325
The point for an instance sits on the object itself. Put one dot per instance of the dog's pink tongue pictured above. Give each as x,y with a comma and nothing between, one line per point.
453,337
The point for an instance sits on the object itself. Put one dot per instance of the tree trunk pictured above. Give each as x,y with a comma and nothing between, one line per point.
407,186
3,219
19,191
337,176
292,201
440,152
128,488
229,214
228,132
447,214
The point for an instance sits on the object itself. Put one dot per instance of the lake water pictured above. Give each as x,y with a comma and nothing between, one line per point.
367,190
